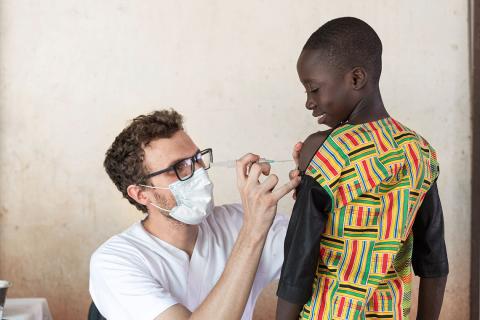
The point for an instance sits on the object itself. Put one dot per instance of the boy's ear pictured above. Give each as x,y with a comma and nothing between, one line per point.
137,193
359,78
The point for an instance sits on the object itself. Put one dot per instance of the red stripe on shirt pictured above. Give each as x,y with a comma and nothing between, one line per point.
327,164
323,300
352,139
414,156
384,262
375,301
375,130
389,215
343,195
353,254
340,308
367,172
397,125
398,284
360,216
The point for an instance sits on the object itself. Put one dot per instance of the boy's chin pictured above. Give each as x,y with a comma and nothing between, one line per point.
325,126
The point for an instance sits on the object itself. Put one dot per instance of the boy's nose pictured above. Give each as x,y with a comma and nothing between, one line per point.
310,104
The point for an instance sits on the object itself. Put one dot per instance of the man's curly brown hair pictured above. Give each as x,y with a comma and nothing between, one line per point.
124,159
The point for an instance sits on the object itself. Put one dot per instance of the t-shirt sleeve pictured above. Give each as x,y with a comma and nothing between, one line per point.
302,241
429,257
122,288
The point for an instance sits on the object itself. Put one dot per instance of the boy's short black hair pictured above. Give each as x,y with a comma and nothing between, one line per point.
349,42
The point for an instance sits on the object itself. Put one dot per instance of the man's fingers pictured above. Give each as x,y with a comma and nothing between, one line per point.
243,164
281,191
265,168
293,173
254,173
296,152
269,183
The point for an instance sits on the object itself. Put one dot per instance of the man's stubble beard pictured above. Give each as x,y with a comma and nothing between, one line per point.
167,202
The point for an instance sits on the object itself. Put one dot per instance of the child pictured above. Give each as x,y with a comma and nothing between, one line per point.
367,208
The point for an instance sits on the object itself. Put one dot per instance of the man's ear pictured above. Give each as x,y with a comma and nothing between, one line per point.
138,194
359,78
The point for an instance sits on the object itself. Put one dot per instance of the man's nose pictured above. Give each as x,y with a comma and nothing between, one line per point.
199,164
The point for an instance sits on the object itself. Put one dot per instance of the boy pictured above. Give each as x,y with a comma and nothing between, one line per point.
367,208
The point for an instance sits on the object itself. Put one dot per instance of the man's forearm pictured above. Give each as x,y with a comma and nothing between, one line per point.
228,298
430,298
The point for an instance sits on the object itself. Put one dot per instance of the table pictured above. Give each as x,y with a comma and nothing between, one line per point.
26,309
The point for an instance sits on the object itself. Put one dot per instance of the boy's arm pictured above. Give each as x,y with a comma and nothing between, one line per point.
301,248
310,147
429,258
287,310
306,226
430,297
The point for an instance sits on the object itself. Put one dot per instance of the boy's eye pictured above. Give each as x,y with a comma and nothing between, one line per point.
313,90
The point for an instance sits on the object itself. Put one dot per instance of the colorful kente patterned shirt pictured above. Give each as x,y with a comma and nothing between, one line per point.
351,235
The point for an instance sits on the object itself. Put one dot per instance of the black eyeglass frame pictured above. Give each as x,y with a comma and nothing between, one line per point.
194,159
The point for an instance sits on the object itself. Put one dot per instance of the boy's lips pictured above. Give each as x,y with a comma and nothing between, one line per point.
320,116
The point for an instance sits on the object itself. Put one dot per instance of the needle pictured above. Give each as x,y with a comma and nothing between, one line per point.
231,163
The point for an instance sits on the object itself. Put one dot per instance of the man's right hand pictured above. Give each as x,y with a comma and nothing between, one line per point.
259,199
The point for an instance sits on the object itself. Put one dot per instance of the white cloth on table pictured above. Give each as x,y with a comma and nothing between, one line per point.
26,309
135,275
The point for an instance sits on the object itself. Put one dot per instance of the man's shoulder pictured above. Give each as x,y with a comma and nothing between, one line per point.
230,214
230,209
122,247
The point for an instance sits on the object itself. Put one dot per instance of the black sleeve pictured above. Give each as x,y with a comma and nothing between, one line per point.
302,241
429,258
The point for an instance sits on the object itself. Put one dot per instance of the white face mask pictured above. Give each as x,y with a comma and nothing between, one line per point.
194,198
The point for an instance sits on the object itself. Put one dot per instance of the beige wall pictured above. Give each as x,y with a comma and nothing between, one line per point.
73,72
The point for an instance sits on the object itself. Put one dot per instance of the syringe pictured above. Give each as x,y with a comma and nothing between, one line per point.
232,163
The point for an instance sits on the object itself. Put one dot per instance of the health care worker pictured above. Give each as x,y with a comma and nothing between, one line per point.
188,259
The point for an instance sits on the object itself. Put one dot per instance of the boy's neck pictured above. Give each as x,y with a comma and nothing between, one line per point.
369,108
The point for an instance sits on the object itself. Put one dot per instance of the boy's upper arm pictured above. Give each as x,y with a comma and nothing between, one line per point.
310,147
429,257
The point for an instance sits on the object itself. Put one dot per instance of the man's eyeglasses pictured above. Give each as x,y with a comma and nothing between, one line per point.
185,168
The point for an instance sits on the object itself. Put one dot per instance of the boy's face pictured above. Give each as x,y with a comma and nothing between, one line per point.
329,91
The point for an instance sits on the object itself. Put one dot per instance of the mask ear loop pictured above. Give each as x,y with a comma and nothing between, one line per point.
153,204
160,208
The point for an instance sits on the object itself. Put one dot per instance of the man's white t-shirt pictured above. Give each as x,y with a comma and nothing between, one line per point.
135,275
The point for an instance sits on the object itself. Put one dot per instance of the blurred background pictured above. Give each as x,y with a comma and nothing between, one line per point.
72,73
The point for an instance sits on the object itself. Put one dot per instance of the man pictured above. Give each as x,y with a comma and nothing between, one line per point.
187,259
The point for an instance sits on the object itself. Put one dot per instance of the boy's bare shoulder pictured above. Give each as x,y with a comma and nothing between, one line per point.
310,146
